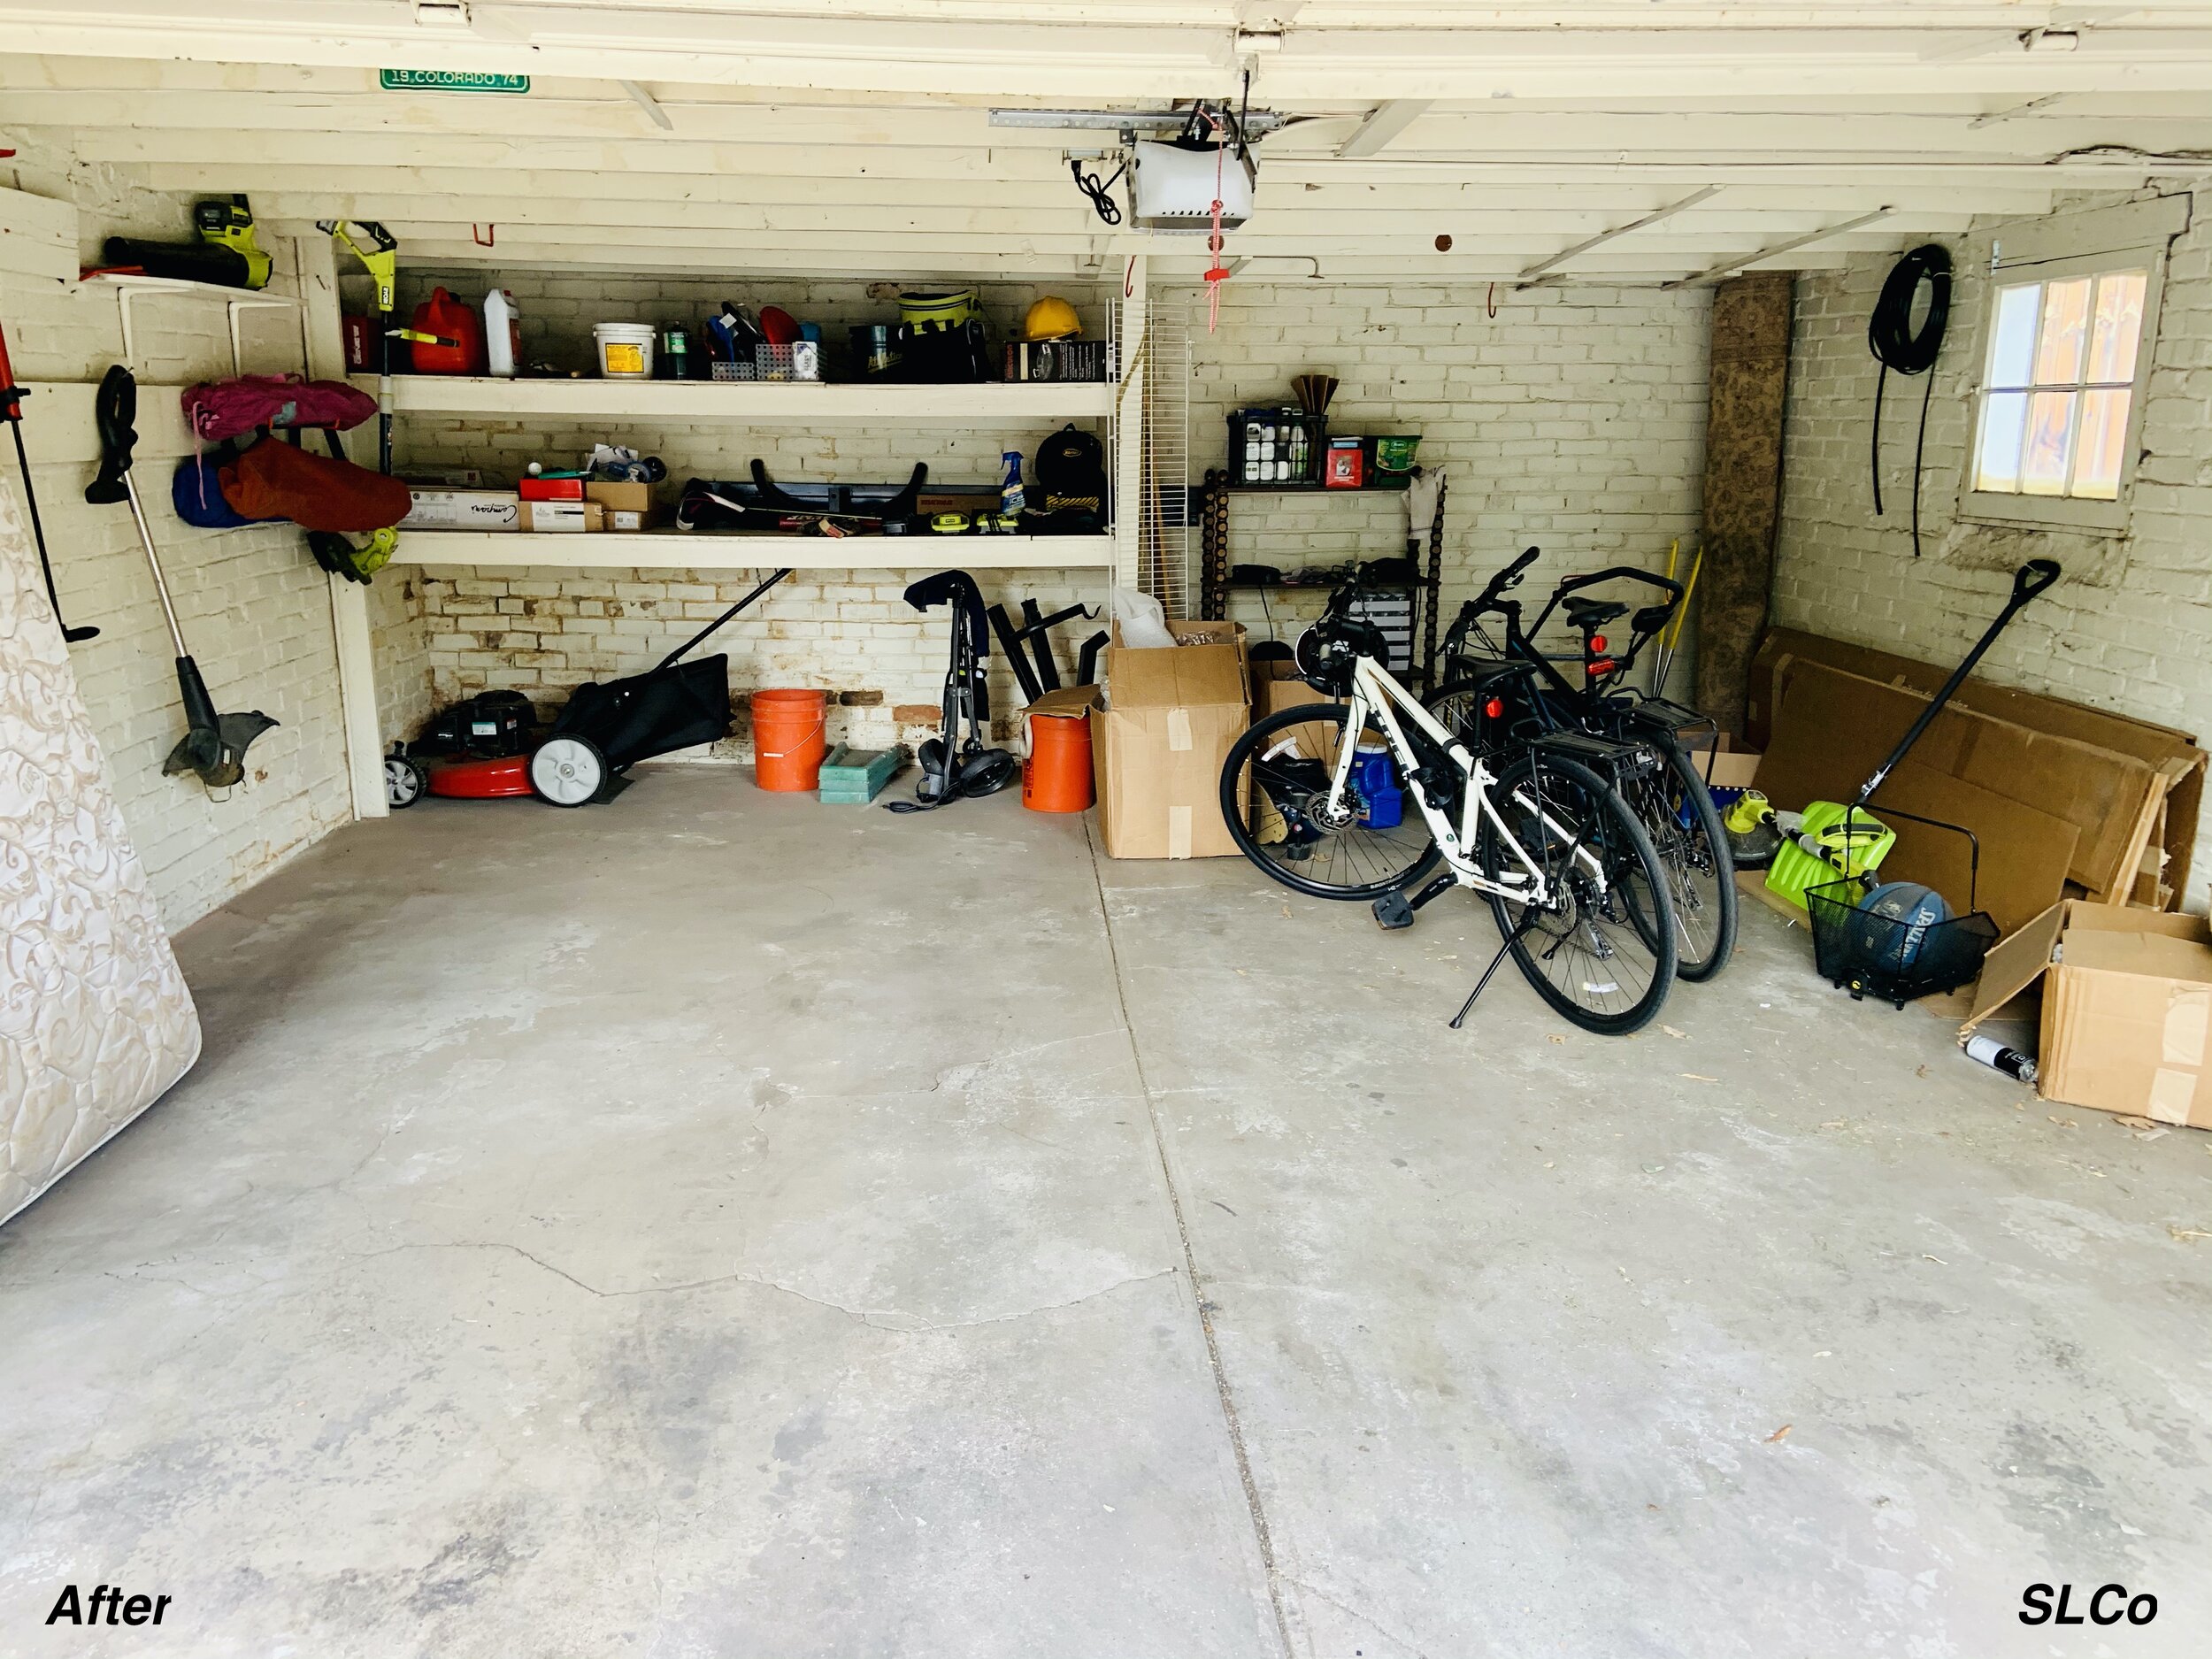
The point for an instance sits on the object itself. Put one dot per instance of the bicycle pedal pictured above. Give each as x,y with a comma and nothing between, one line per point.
1393,912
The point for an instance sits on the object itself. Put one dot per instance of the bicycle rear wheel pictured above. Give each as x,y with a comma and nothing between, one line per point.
1677,812
1360,848
1587,950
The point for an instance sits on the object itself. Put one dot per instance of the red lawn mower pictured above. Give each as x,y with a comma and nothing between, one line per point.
491,745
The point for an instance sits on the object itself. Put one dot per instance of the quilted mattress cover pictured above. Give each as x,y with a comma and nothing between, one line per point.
96,1021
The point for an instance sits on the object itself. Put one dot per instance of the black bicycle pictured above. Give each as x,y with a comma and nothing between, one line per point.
1500,691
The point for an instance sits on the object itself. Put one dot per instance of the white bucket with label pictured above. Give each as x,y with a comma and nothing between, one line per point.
624,350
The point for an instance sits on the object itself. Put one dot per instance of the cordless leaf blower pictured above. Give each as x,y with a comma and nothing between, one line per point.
213,745
1841,842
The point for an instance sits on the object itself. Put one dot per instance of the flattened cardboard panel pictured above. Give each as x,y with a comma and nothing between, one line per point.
1833,728
2100,728
2024,854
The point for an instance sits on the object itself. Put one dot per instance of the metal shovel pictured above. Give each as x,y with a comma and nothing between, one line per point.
213,745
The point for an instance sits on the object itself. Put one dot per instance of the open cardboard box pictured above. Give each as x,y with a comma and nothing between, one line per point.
2127,1007
1158,746
1276,686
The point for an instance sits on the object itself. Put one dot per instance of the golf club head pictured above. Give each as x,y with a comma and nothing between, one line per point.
77,636
217,753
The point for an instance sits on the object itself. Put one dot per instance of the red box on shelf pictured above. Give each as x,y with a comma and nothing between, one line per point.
550,488
1344,463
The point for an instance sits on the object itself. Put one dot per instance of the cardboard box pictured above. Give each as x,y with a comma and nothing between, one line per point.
462,509
1157,748
2127,1008
1735,765
628,506
1065,701
563,516
1276,686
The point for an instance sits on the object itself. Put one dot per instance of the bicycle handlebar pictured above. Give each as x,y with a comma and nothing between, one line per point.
1618,572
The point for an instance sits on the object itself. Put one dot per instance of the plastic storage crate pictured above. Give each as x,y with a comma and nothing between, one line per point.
802,360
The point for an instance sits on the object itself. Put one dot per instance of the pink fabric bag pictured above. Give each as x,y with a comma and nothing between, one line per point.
232,408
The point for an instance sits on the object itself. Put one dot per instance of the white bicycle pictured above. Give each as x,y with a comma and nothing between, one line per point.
1363,797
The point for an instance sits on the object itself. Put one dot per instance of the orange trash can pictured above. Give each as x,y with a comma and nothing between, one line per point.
788,739
1057,773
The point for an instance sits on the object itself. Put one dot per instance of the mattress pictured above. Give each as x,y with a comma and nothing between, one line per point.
96,1021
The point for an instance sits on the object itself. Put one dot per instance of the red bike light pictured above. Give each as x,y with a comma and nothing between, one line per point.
1492,709
1597,644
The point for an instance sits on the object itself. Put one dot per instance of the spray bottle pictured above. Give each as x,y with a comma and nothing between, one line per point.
1012,496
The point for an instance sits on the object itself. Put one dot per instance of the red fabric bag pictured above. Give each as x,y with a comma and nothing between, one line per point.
316,492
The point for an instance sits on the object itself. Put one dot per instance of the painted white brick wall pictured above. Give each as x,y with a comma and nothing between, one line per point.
254,608
2129,628
1573,418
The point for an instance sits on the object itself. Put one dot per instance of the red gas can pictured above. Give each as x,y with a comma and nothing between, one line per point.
450,320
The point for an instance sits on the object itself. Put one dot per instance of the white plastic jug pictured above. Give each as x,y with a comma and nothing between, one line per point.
503,334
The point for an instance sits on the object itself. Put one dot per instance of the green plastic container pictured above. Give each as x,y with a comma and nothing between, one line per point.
1852,851
854,777
1395,455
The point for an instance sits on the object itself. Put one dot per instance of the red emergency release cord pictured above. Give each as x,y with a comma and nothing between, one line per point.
1217,273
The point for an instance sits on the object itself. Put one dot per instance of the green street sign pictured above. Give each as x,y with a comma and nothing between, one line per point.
450,80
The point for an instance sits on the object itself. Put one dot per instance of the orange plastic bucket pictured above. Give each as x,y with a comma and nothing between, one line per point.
787,739
1056,775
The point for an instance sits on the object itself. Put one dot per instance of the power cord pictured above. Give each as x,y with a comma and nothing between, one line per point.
1100,192
1891,337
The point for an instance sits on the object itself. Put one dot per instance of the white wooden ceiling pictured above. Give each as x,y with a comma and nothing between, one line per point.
855,135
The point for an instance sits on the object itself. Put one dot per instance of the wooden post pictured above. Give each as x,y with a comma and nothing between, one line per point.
348,601
1743,484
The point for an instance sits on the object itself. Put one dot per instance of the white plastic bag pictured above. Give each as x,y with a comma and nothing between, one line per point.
1144,624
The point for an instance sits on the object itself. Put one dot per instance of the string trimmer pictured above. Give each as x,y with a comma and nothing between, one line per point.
1838,841
213,745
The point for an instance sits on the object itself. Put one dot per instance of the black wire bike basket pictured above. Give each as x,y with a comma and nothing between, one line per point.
1886,957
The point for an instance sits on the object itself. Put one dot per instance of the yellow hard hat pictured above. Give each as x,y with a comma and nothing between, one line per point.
1051,318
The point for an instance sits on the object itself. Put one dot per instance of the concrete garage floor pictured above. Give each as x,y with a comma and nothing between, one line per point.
718,1225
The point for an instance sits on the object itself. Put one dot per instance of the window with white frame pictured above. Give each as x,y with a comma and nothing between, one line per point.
2058,409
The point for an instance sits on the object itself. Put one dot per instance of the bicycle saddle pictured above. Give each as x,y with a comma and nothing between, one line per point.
1484,671
1594,613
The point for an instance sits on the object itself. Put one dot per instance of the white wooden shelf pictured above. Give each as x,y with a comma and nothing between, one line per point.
746,403
704,550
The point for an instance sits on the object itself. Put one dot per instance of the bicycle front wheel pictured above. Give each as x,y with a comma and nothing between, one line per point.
1275,799
1588,949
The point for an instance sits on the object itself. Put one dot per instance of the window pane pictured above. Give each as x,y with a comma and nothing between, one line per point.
2043,460
2118,326
2058,351
2104,431
2012,343
2004,419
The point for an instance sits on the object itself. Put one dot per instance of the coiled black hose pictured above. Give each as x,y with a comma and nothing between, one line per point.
1891,337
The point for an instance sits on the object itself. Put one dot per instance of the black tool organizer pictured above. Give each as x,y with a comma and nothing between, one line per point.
1214,561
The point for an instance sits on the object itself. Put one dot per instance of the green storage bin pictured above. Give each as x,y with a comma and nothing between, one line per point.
854,777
